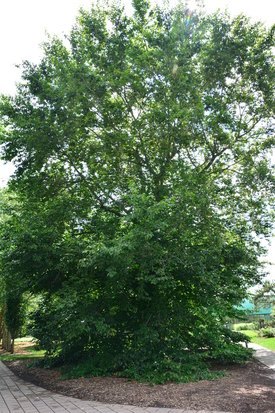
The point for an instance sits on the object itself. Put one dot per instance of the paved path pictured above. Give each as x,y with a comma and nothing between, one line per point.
18,396
265,356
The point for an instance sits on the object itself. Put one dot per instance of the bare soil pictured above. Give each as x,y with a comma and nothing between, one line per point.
244,389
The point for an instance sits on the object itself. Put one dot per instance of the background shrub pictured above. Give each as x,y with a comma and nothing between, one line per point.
245,326
267,332
231,353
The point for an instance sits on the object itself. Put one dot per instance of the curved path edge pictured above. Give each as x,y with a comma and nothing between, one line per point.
265,356
19,396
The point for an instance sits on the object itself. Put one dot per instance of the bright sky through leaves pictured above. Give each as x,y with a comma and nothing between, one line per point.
24,24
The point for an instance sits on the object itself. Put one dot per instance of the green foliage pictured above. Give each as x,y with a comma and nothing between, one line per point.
270,323
142,150
234,336
263,323
182,370
14,313
267,332
231,353
12,300
265,296
245,326
185,369
266,293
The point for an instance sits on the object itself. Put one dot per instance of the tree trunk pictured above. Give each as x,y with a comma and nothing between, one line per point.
1,324
6,340
12,346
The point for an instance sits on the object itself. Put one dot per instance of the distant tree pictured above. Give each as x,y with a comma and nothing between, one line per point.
142,151
14,315
265,296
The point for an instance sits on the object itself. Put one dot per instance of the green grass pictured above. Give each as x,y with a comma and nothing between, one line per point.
268,343
31,355
30,351
250,333
24,339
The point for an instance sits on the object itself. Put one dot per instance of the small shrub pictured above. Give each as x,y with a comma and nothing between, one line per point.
189,369
231,353
244,326
231,336
267,332
256,326
87,368
269,323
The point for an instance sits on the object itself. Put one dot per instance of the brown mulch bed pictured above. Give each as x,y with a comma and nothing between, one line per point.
244,389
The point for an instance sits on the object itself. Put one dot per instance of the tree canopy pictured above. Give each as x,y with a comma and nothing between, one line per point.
143,174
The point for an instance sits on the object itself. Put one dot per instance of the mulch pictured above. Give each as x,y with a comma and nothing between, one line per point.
244,389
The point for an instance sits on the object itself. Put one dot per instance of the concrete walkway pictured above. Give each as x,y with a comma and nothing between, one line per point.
18,396
265,356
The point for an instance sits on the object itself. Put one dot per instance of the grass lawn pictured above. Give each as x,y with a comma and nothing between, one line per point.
24,348
268,343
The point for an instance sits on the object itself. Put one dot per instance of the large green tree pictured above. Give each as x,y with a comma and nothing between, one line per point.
12,303
142,151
